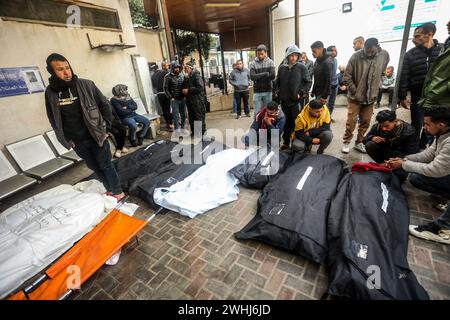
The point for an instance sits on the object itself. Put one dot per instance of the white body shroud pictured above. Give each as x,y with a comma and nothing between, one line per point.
207,188
36,231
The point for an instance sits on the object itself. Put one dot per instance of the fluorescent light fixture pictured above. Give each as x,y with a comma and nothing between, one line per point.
219,20
222,4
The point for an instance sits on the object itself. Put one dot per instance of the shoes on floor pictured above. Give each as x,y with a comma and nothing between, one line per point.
345,148
430,232
360,147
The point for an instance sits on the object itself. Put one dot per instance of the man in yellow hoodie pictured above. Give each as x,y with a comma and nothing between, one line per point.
312,127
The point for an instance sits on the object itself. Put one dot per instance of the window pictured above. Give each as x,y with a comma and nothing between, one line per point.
54,12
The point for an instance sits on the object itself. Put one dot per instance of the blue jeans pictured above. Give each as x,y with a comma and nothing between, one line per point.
132,123
440,186
98,159
260,100
332,98
179,109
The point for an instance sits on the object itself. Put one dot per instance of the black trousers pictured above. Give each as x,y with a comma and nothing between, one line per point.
119,132
291,112
98,159
379,154
389,90
242,96
196,112
165,106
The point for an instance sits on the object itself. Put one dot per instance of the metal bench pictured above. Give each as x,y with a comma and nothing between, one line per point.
60,149
10,181
35,157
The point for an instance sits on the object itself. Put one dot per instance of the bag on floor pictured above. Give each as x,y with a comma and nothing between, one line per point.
257,170
293,208
368,240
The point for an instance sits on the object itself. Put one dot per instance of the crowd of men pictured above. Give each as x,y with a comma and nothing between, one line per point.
297,101
418,151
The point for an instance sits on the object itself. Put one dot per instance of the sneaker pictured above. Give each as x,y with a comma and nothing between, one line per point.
346,148
360,147
442,207
125,150
238,116
247,115
430,232
118,154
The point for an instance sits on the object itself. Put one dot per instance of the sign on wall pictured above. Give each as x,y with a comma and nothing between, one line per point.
389,16
20,80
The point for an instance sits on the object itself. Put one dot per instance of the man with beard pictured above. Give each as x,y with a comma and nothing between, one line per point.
78,112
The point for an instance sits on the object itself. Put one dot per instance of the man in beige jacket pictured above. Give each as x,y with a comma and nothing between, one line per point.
430,171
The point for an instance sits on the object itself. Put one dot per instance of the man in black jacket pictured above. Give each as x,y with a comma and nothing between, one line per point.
173,86
391,138
293,83
78,112
416,64
158,87
322,72
195,98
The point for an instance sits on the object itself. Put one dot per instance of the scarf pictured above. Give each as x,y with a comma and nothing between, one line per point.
262,114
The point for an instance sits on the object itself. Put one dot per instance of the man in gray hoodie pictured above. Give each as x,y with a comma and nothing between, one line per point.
430,171
240,80
262,72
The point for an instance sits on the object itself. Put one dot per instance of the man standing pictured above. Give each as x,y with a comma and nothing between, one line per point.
78,112
158,86
293,83
322,73
312,127
362,78
262,72
416,64
430,171
332,53
240,80
436,89
387,85
173,86
195,97
358,43
308,64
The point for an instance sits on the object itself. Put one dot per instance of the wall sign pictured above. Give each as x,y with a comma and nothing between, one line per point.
21,80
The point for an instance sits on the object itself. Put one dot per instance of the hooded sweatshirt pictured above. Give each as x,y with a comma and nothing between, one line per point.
262,73
292,80
322,76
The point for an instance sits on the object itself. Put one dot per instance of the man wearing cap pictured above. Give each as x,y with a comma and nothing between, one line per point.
362,77
262,72
195,98
79,112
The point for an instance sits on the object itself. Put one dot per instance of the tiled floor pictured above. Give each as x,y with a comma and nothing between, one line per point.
182,258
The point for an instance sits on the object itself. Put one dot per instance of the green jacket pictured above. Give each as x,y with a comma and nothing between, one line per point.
436,88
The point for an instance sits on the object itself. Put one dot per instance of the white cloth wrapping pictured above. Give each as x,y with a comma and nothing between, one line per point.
36,231
207,188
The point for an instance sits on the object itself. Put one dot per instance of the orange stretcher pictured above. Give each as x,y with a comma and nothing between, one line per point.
80,262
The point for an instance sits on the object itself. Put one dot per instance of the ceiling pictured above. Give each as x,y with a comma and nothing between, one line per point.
194,15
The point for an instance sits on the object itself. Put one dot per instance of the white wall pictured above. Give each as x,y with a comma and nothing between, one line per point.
29,44
323,20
